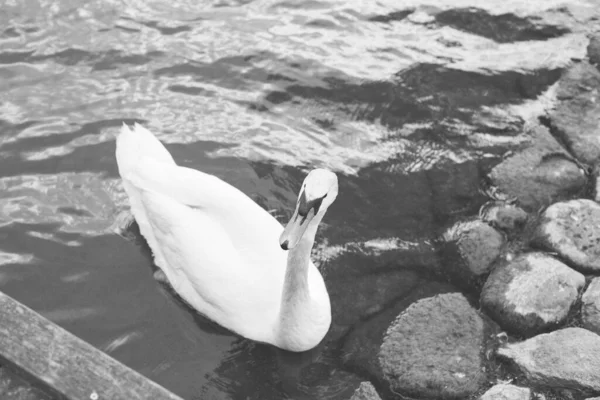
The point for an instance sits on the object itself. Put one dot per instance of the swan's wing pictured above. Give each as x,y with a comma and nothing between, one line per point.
207,269
253,230
147,165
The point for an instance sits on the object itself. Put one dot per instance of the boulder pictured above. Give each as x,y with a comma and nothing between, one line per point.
365,391
434,349
531,293
470,251
505,216
590,306
567,358
595,175
571,229
357,294
576,118
593,50
14,387
362,344
540,173
506,391
322,381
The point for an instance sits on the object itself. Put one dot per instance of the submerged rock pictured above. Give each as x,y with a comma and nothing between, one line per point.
567,358
471,249
576,119
362,344
596,183
593,50
15,387
531,293
590,306
434,349
357,293
506,392
322,381
540,174
571,229
507,217
365,391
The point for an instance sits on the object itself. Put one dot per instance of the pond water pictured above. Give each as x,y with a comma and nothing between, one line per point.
409,102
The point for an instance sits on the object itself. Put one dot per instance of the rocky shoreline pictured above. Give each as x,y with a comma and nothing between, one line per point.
526,324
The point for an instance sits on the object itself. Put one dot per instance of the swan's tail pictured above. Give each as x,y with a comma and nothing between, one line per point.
133,144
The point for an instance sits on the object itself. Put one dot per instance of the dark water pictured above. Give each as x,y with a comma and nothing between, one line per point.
410,102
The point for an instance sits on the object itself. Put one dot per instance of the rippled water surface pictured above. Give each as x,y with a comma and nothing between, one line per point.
410,102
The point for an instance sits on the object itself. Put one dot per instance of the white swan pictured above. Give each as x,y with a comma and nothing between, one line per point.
224,254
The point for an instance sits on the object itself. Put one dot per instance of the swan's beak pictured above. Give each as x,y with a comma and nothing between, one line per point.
295,229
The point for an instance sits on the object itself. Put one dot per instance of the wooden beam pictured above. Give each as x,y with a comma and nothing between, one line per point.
66,364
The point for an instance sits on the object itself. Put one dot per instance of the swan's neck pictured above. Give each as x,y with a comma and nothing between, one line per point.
302,313
295,286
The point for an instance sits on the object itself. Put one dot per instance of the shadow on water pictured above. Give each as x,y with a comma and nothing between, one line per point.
423,93
502,28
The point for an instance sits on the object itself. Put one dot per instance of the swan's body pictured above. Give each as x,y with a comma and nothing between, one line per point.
220,251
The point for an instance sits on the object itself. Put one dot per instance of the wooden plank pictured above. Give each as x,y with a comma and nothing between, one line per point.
66,364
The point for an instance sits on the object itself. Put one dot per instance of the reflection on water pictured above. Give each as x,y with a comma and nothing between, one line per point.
410,102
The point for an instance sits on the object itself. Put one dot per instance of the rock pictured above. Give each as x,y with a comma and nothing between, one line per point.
506,392
531,293
567,358
357,294
321,381
593,50
434,349
502,215
451,185
365,391
576,119
362,344
570,229
596,183
470,251
590,306
540,174
14,387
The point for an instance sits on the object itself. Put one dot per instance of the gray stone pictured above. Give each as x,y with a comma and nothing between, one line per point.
434,349
365,391
576,119
531,293
572,229
590,306
506,392
595,175
470,250
593,50
507,217
321,381
14,387
362,344
539,174
568,358
357,294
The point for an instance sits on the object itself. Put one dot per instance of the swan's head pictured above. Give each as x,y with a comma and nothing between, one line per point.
318,191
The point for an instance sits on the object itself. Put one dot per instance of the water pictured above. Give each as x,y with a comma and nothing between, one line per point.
410,102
